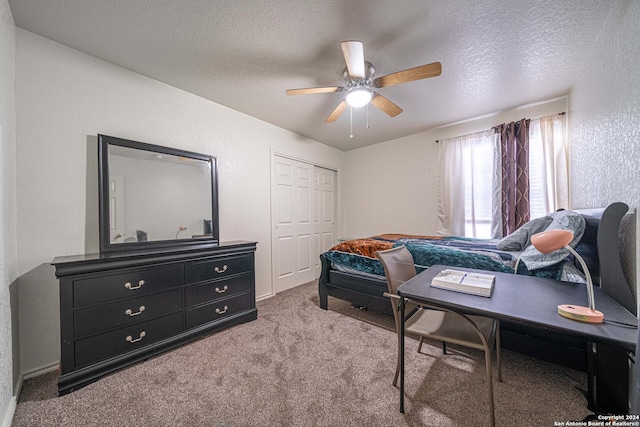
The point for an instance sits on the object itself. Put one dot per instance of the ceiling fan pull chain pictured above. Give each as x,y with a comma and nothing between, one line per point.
351,121
367,116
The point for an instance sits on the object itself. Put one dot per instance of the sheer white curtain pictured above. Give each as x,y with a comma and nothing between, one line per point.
469,202
548,165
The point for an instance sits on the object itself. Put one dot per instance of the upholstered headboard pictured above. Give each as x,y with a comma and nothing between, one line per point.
599,247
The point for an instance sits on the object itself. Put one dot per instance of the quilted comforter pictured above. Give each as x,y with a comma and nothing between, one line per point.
358,255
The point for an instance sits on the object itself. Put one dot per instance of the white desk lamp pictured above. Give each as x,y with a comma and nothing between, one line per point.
553,240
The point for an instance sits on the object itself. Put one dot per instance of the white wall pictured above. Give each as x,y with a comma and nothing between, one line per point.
605,114
8,257
392,187
605,123
65,98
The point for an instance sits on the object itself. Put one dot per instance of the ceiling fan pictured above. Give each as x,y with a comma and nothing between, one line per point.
361,86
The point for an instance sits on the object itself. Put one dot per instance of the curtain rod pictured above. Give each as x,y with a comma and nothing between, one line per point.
535,118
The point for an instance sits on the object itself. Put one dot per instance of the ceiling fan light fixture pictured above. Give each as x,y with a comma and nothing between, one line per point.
361,87
359,98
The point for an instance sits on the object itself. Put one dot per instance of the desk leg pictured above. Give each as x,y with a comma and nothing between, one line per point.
402,309
591,377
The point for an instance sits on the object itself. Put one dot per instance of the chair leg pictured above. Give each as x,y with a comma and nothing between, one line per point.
498,357
420,345
487,358
444,347
395,377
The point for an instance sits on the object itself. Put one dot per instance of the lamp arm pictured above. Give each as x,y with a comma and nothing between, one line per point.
592,303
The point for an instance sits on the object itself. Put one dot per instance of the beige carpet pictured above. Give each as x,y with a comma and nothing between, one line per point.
298,365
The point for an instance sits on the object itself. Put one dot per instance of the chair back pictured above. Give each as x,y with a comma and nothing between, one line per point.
398,266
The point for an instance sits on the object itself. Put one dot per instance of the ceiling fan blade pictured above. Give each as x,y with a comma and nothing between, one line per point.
353,52
310,90
336,112
385,105
412,74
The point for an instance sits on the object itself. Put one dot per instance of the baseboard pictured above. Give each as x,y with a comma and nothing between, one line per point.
7,419
40,371
264,297
10,410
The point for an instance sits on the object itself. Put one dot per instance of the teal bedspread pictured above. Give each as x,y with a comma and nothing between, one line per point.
358,255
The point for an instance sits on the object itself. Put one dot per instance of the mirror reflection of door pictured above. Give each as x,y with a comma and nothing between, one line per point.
116,209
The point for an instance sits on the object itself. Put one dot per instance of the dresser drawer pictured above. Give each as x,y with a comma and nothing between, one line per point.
218,310
125,312
129,338
199,271
131,283
211,291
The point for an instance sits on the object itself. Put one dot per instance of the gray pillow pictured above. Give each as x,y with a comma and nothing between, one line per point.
521,238
562,220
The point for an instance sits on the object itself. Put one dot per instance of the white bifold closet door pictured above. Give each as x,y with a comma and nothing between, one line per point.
303,220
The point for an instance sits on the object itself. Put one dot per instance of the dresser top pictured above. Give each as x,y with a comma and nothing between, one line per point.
73,264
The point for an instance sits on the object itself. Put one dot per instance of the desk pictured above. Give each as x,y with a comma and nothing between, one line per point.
530,300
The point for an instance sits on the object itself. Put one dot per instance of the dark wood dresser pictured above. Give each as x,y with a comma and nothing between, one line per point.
118,309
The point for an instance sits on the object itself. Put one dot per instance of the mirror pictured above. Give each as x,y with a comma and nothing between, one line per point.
155,197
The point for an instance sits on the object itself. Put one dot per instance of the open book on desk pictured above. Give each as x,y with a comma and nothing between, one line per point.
462,281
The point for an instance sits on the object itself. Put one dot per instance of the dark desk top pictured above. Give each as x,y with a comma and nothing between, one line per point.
531,300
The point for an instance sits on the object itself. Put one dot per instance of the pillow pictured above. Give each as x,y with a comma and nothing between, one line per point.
562,220
521,238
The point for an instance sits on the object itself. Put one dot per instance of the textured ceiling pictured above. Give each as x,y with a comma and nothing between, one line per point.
244,54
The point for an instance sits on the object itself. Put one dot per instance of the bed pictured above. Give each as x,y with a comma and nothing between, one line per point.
350,271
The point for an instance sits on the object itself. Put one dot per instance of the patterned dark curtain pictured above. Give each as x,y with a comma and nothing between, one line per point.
514,143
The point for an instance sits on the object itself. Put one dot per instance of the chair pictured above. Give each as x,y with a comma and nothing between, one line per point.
440,324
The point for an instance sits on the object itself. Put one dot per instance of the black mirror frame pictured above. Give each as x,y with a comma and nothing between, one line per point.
106,246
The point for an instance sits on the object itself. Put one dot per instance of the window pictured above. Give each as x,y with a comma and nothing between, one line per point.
470,185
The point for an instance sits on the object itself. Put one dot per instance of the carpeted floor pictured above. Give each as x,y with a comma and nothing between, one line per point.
298,365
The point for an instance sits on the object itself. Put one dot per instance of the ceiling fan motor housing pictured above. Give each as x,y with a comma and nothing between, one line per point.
365,82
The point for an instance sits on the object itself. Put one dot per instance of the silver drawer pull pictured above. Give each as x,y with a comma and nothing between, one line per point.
223,290
129,312
222,311
224,268
131,340
129,286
